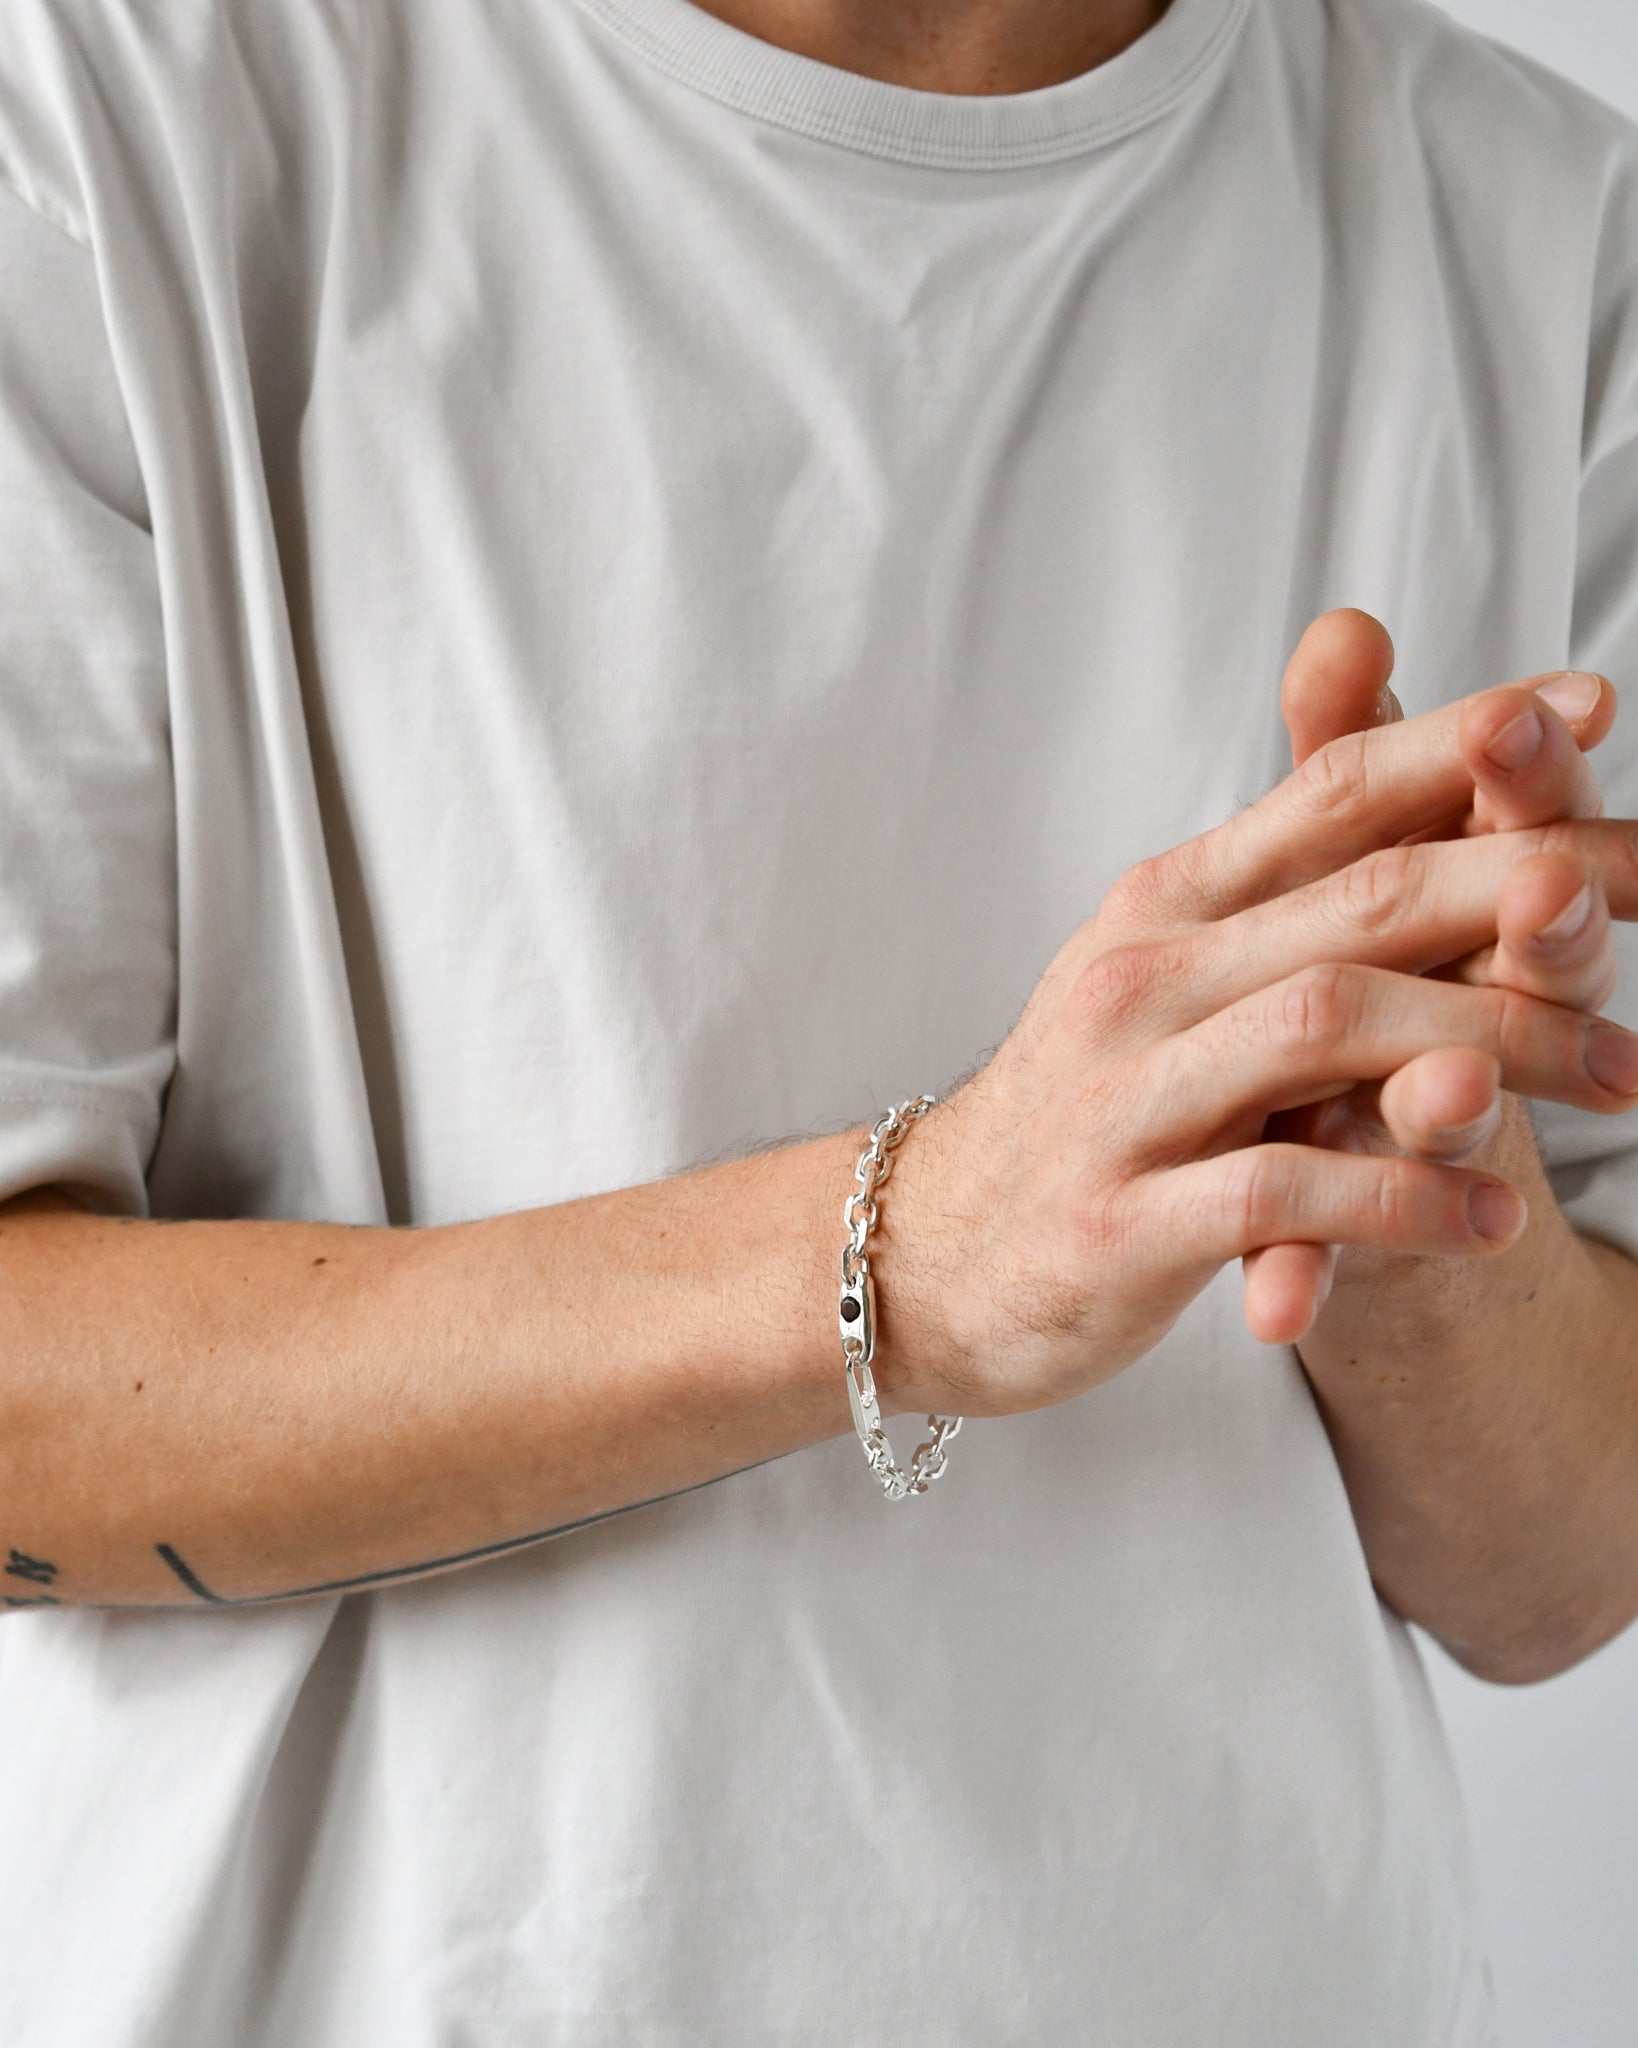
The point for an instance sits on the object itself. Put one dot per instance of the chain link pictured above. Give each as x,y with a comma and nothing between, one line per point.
857,1315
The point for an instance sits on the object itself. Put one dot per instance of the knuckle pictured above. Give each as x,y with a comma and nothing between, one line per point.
1576,839
1155,894
1396,1197
1100,1227
1421,1210
1378,892
1114,985
1560,835
1142,893
1257,1195
1518,1019
1317,1007
1334,784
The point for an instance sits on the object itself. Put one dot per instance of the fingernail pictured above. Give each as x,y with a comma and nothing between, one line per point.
1457,1139
1495,1210
1517,744
1571,921
1573,695
1612,1058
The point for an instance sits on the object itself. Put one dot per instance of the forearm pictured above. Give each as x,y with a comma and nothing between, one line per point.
266,1408
1485,1417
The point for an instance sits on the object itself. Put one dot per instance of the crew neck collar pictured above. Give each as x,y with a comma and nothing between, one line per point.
941,130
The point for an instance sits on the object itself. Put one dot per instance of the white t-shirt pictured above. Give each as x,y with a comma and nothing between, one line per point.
576,593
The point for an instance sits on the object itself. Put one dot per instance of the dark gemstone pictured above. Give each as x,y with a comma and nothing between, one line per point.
850,1309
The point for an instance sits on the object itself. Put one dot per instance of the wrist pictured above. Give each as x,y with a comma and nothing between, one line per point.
914,1344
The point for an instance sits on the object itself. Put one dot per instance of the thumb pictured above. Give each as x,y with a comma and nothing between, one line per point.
1337,681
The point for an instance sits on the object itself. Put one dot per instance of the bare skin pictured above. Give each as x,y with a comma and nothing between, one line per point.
1486,1422
232,1411
248,1411
244,1410
950,46
1524,1377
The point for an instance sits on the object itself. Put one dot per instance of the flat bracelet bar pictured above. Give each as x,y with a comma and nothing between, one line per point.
856,1317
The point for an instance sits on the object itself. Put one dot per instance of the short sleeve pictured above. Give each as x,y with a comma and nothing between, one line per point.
1592,1160
87,816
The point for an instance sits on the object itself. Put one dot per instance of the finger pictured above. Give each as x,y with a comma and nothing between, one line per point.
1321,1031
1239,1202
1522,747
1356,793
1286,1287
1349,1121
1553,936
1410,908
1337,681
1444,1104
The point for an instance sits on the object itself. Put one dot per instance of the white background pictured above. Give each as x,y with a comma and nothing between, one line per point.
1551,1772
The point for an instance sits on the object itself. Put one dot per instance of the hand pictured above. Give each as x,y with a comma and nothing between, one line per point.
1554,941
1054,1216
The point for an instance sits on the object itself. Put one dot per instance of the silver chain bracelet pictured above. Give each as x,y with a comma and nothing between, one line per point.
856,1316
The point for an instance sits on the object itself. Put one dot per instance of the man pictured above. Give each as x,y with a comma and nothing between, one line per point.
587,583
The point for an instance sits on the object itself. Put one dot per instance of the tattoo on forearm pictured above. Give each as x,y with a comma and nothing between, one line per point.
35,1571
197,1587
21,1566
